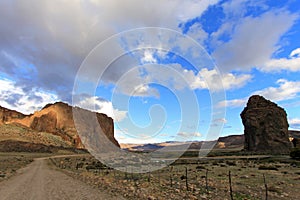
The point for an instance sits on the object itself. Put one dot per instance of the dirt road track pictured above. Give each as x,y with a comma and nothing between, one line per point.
38,181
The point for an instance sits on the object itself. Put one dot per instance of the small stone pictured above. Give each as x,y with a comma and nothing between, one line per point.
131,188
192,197
151,198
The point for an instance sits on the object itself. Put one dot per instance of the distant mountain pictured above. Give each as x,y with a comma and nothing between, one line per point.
228,142
51,126
294,133
231,141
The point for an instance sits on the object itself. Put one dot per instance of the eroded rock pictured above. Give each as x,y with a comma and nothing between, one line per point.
266,126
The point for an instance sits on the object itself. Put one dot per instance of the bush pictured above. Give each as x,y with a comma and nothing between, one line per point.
295,153
263,167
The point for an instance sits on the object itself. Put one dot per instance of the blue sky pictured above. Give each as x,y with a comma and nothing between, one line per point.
186,78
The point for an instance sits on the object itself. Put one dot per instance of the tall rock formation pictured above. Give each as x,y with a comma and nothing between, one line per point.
57,119
266,126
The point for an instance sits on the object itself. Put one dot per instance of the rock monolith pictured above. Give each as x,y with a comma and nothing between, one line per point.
266,127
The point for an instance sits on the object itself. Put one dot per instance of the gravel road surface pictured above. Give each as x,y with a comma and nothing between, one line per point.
39,181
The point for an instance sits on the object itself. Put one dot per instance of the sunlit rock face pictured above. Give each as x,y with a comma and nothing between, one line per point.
7,115
266,127
58,120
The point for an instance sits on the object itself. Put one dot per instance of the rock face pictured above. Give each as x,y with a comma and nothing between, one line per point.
7,115
57,119
266,126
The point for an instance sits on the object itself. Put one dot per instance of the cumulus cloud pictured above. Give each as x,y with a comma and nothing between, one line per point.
286,90
197,33
124,138
295,53
180,77
291,64
229,80
100,105
16,98
222,120
187,135
253,40
54,39
137,81
232,103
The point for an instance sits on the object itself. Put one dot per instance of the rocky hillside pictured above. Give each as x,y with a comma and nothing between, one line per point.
53,125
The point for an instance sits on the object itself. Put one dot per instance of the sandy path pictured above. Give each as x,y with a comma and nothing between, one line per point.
38,181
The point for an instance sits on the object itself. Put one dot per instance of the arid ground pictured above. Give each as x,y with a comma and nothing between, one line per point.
83,177
40,180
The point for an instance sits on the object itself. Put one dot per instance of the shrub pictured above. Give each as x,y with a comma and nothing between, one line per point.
295,153
263,167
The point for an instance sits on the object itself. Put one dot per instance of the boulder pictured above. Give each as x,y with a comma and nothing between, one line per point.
266,127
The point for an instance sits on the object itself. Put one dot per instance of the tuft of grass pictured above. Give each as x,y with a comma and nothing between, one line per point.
240,196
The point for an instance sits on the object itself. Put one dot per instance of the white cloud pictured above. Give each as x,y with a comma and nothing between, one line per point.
291,64
54,36
253,40
177,77
294,123
295,53
136,81
285,91
13,96
197,33
100,105
124,138
222,120
232,103
229,80
133,83
148,57
187,135
210,79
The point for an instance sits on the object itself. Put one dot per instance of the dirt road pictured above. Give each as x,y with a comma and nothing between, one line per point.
38,181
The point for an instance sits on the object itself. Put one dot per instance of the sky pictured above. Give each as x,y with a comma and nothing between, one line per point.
167,70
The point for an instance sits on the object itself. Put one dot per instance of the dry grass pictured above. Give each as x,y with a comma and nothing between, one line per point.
19,133
11,162
247,179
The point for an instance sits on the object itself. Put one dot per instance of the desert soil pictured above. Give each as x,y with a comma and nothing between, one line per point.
40,181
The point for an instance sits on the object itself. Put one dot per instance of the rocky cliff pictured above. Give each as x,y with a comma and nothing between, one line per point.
266,126
57,119
7,115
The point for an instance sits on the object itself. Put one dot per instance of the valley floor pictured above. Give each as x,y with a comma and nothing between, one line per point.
41,181
80,176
